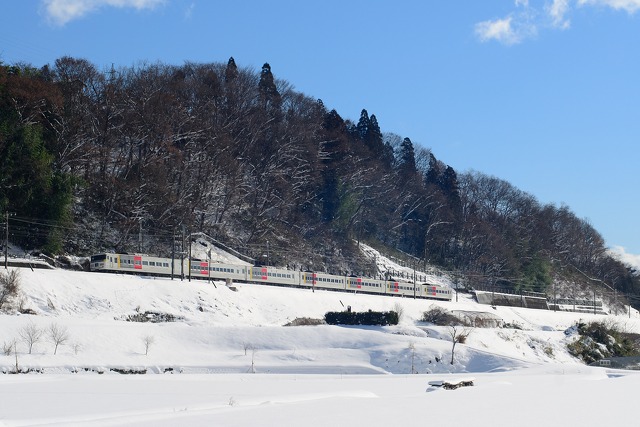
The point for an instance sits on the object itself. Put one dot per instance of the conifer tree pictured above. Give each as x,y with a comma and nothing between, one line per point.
387,155
362,127
434,172
269,95
407,160
231,72
374,137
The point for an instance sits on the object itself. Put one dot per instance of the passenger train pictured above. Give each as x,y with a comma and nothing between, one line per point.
144,264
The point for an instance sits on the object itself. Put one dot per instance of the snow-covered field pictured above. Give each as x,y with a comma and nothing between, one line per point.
229,361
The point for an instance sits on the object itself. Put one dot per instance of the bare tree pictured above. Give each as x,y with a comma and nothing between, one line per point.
399,308
458,334
247,346
58,335
7,347
9,286
148,341
30,334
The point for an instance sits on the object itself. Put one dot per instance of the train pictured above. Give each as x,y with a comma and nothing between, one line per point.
203,269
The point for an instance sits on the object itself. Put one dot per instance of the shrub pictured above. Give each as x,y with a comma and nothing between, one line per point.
152,317
602,339
381,318
305,321
9,286
440,317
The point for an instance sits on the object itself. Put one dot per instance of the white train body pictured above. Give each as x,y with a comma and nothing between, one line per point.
199,269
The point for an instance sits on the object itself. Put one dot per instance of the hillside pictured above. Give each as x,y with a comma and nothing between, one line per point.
144,158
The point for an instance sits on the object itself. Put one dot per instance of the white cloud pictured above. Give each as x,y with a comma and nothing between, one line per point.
525,21
631,260
558,11
630,6
189,12
499,30
60,12
510,30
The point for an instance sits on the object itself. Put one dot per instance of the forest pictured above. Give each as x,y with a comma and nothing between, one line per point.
133,159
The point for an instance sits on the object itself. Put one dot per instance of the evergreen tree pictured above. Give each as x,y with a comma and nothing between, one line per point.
435,171
373,138
449,185
362,127
231,72
407,161
333,153
29,181
269,95
388,157
451,190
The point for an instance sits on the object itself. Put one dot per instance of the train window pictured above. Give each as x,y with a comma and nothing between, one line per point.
98,258
145,263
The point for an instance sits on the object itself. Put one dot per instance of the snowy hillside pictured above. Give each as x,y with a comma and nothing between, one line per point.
216,323
268,367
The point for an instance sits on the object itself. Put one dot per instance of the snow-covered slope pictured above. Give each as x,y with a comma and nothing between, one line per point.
241,332
215,325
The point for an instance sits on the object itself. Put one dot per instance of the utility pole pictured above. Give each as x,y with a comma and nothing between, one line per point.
6,239
182,256
140,235
414,291
173,251
189,263
209,266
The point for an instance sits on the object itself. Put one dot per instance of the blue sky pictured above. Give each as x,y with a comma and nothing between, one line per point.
543,94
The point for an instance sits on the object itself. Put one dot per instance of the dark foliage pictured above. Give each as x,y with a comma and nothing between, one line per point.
599,340
361,318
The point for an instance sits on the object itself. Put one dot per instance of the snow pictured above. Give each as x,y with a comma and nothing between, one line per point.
229,361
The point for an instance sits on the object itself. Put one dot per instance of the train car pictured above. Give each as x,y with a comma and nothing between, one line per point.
132,263
310,279
436,292
203,269
402,288
363,284
273,275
